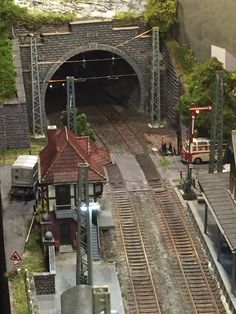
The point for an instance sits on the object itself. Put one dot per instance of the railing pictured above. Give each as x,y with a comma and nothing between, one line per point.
64,211
70,211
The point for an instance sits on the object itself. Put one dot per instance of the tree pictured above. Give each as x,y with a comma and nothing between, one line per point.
161,13
201,91
83,126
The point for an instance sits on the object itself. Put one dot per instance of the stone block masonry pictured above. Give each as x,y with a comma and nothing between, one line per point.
14,128
44,283
60,44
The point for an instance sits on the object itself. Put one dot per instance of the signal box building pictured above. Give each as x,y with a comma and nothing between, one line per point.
59,176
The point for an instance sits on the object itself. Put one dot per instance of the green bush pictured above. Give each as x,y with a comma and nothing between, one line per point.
7,72
128,17
161,14
12,15
185,58
83,126
201,92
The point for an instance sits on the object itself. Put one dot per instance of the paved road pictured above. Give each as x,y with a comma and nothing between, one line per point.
16,218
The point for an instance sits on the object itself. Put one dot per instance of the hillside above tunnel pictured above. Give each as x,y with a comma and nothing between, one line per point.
85,8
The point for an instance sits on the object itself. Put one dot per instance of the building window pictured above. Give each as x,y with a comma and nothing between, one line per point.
97,190
63,200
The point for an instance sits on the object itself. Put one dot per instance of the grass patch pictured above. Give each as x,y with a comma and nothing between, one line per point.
8,156
183,57
18,289
34,256
33,260
164,162
128,18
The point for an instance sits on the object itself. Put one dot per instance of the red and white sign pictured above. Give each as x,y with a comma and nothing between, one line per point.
16,264
15,256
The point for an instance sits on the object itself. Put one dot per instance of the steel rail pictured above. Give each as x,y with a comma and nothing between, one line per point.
177,254
130,230
158,184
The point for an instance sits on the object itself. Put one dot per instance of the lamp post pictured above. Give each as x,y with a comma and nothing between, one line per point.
195,110
179,131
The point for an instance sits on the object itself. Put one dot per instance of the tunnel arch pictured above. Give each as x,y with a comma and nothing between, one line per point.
87,48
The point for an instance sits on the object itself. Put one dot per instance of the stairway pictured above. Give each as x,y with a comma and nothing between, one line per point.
95,244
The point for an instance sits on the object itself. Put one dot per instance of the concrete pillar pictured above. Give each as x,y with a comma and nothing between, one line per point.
233,276
205,219
219,240
77,300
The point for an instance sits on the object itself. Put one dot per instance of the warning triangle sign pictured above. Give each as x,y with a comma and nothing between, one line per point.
15,257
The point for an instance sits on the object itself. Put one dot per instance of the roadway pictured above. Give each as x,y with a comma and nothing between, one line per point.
17,216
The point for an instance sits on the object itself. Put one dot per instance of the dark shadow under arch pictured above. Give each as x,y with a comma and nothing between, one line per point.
86,48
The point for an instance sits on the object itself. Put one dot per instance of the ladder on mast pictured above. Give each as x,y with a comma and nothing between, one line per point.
216,152
71,107
36,96
155,101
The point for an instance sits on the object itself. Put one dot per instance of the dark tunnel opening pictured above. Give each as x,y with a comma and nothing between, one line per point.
104,78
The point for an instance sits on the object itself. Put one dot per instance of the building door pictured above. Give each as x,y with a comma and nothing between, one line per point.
65,233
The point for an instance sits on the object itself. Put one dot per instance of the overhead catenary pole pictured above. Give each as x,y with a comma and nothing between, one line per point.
155,101
84,229
71,106
216,152
36,96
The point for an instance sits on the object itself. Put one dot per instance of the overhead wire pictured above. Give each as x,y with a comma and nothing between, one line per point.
83,79
93,60
81,61
140,35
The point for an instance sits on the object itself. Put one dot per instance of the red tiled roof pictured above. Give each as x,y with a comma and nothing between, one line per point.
59,159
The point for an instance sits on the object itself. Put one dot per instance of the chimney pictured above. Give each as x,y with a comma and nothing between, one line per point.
52,130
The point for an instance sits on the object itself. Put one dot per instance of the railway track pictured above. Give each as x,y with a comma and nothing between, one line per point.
199,286
179,234
125,132
142,297
106,131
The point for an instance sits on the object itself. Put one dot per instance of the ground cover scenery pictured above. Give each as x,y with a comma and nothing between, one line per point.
149,199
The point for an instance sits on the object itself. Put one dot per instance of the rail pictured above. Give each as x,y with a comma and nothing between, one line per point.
137,261
201,287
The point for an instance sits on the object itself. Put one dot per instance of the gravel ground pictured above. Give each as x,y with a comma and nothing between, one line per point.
163,266
166,274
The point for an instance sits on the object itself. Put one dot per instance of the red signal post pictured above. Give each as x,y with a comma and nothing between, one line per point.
195,110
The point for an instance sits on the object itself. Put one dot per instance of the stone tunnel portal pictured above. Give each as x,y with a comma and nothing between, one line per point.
104,78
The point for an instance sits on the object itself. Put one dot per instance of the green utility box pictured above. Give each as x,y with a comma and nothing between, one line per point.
101,300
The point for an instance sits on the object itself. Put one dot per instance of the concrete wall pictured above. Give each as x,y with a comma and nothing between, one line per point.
203,23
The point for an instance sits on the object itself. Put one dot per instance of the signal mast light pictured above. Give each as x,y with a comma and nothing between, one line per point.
194,111
197,109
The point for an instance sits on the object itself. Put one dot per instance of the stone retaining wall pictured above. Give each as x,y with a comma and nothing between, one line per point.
44,283
171,90
14,128
82,36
